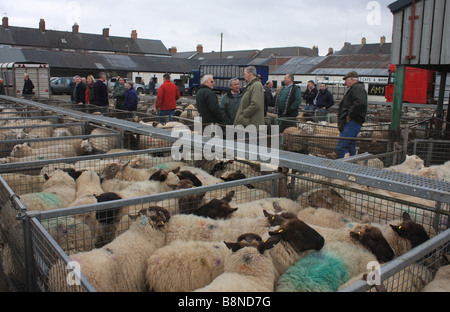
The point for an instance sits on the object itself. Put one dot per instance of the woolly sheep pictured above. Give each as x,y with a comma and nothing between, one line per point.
183,266
247,269
123,171
441,281
325,270
24,150
103,144
120,265
256,208
324,217
9,159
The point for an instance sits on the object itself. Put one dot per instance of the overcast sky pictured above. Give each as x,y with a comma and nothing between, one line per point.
245,24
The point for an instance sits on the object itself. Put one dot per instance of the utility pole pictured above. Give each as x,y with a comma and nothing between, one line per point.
221,44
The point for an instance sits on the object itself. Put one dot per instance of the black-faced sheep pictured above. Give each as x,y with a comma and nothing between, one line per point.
248,268
120,265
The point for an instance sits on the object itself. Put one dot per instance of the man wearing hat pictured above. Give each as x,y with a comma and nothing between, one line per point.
352,114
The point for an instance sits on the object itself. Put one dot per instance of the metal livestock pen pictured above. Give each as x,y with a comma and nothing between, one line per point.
44,258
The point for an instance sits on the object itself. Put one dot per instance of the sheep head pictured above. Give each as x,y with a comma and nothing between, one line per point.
299,235
411,231
253,240
371,237
186,174
86,147
217,208
278,218
169,177
112,170
157,216
21,150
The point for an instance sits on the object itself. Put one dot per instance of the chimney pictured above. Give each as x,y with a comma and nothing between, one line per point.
199,48
382,40
5,22
330,51
363,41
42,25
75,28
106,32
134,34
173,50
315,50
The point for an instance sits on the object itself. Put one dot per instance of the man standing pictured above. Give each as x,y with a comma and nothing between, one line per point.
101,93
119,92
325,100
78,95
352,114
131,98
2,87
230,102
288,100
207,102
268,97
166,100
28,87
310,97
251,109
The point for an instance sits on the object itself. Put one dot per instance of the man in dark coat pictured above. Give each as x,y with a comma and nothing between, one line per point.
28,87
352,114
101,93
78,95
325,100
207,101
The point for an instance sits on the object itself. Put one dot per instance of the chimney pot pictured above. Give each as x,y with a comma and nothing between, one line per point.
382,40
134,34
199,48
42,25
5,22
363,41
173,50
106,32
75,28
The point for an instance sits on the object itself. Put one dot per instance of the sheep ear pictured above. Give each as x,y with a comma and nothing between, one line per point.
46,177
277,207
125,164
406,216
229,197
269,243
267,215
233,246
176,170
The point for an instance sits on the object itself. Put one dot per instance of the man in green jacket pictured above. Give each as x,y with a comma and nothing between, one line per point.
251,109
288,101
119,94
229,104
351,115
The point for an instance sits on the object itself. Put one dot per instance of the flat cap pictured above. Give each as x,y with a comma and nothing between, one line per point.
351,74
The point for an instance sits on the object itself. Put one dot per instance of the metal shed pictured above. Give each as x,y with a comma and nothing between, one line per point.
421,38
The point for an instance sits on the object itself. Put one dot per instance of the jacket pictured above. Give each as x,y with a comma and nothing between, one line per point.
208,105
28,87
167,97
325,99
100,94
354,105
89,98
131,99
78,93
309,96
251,109
293,102
229,106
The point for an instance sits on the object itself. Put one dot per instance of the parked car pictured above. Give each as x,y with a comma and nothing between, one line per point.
61,85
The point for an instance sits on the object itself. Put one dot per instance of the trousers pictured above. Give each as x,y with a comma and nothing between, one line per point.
344,146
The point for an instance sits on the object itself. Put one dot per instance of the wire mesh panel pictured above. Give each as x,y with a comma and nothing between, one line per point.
433,152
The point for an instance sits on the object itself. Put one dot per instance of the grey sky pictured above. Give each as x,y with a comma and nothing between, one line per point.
245,25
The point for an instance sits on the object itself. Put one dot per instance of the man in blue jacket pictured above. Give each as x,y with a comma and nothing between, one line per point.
325,100
131,97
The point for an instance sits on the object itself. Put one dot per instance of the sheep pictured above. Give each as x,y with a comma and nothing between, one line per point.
102,144
191,227
247,269
324,217
214,209
412,164
10,159
24,150
120,265
183,266
255,208
297,240
325,270
441,281
123,171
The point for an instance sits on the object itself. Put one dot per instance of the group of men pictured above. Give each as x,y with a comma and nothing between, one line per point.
250,106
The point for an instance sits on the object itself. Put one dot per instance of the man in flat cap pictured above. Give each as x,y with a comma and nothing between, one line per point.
352,114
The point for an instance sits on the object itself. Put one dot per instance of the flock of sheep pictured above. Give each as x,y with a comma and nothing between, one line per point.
212,241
